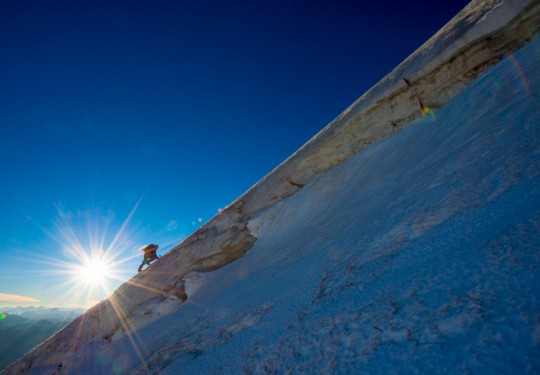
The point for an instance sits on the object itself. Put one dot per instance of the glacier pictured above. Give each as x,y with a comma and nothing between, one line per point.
419,252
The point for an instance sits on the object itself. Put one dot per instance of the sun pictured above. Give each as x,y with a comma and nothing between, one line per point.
94,260
96,271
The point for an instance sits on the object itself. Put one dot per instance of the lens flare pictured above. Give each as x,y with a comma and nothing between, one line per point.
3,316
428,114
521,73
172,225
496,83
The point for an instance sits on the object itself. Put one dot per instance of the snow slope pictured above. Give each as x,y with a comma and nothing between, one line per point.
417,254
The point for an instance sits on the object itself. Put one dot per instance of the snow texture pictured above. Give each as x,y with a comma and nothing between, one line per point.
421,254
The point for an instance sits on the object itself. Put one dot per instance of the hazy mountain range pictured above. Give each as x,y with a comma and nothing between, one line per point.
22,328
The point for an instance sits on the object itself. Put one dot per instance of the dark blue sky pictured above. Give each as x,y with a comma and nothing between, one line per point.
187,104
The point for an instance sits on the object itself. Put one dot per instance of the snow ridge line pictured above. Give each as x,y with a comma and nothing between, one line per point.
477,38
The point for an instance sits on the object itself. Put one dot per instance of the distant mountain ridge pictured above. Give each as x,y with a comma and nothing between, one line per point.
22,328
54,314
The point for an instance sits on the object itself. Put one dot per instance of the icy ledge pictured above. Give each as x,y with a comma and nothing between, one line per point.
477,38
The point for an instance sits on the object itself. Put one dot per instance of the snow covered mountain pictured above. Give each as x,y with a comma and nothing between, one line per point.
405,237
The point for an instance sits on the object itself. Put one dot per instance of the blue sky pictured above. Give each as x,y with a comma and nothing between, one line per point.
163,113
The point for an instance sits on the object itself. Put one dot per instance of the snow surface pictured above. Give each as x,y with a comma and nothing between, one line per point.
420,254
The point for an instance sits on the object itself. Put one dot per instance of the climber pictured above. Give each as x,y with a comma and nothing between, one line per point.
149,255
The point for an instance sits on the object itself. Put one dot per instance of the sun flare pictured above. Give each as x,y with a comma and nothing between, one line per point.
94,260
96,271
